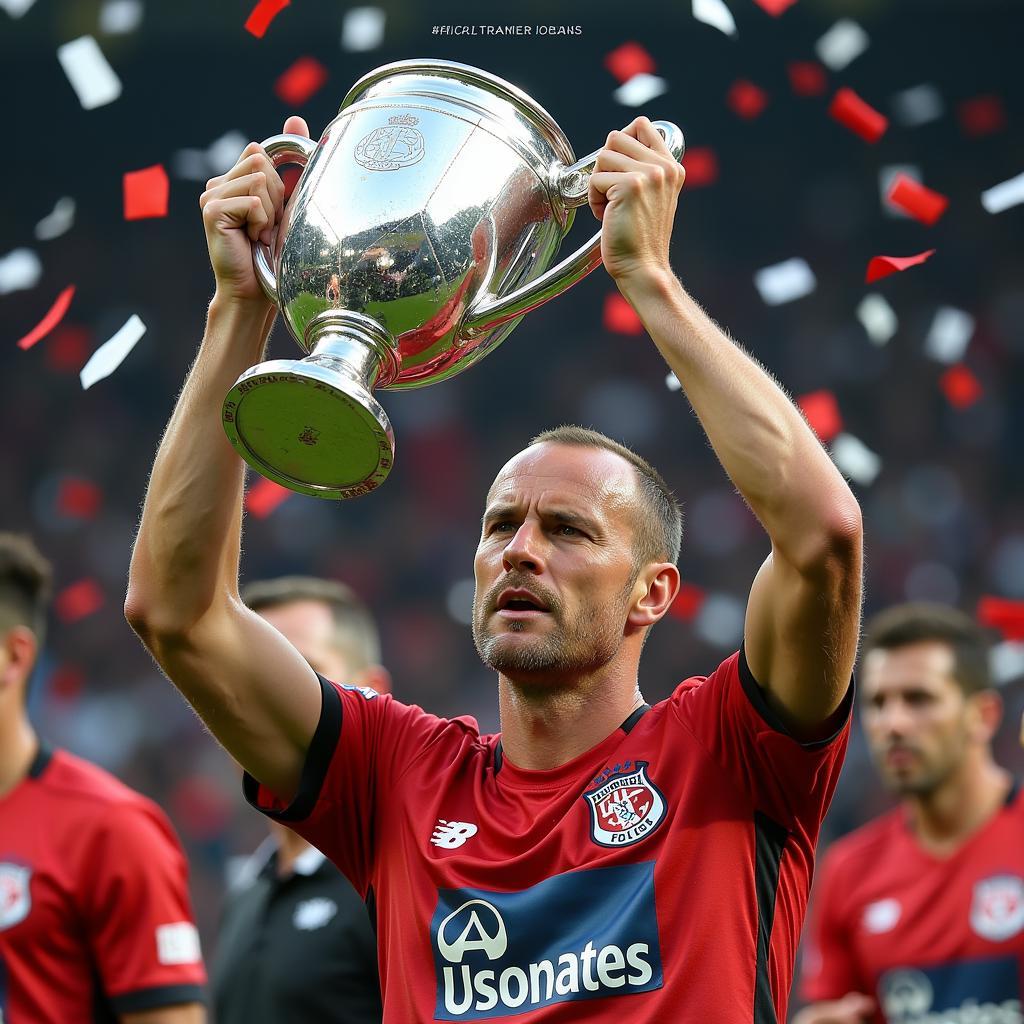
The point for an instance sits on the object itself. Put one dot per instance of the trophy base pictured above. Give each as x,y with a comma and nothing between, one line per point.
310,428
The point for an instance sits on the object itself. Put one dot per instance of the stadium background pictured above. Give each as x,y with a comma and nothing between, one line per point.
944,514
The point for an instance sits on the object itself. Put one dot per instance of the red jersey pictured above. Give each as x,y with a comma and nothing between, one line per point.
932,939
661,876
94,910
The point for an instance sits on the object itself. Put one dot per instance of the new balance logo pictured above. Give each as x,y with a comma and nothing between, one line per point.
451,834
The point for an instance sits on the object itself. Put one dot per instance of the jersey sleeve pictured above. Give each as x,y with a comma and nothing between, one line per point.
138,917
789,781
363,745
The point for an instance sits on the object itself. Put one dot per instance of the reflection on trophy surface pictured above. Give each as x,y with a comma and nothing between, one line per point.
421,231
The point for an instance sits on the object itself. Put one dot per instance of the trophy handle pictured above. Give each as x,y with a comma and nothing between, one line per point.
282,149
572,184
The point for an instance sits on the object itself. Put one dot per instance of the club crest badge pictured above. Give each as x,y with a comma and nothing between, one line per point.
625,805
15,897
997,909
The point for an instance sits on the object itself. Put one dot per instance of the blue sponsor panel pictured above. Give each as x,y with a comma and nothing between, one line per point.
984,991
580,935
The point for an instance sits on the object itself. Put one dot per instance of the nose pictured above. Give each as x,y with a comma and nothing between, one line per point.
524,551
895,718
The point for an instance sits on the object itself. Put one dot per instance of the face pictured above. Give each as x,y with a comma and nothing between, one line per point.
554,568
309,626
916,717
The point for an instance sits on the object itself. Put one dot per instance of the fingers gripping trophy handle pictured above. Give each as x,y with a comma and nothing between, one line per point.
282,149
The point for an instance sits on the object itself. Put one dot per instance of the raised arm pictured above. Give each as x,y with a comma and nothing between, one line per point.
254,691
803,614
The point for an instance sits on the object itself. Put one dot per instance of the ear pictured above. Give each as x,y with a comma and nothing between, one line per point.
985,715
377,677
655,590
18,656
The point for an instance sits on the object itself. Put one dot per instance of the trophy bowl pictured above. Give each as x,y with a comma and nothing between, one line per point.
423,227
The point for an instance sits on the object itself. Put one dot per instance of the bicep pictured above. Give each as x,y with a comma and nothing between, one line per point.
185,1013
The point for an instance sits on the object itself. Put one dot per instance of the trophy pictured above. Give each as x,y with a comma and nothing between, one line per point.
424,226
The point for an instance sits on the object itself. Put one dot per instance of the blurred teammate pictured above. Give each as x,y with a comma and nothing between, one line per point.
296,944
919,916
600,860
95,921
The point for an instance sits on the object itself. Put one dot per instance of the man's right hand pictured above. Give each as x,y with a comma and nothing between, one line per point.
240,207
853,1008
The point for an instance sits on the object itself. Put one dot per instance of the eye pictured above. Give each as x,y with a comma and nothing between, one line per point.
565,530
502,526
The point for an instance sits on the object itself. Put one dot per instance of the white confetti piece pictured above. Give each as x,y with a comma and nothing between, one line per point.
19,269
119,17
878,318
917,105
841,44
1004,195
715,14
111,354
720,620
672,383
218,157
92,78
886,176
1006,661
16,8
855,459
362,29
949,334
783,282
59,220
460,601
639,89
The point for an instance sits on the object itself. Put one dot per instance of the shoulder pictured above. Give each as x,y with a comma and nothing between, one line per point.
863,845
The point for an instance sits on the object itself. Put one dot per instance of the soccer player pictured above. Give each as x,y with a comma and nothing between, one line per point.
296,943
919,916
600,859
95,921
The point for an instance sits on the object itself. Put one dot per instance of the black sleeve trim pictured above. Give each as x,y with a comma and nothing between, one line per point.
156,998
318,760
757,698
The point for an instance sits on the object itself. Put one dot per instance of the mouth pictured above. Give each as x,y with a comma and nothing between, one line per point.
519,604
899,757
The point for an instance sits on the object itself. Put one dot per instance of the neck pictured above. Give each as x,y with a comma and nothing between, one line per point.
290,846
18,746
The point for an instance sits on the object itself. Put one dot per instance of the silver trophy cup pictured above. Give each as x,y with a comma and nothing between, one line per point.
420,232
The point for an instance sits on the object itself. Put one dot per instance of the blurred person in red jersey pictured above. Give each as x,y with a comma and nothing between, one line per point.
919,915
600,859
296,942
95,919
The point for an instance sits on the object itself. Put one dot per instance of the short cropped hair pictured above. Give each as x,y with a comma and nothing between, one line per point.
659,525
26,579
355,632
920,621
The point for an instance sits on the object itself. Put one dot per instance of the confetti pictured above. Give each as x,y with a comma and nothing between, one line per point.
57,221
1006,662
917,105
745,99
887,175
715,14
78,498
628,60
701,166
1002,614
672,382
362,29
264,496
855,459
960,386
16,8
66,682
68,349
720,620
949,335
20,269
878,318
109,356
774,7
807,77
620,317
982,115
783,282
304,78
262,15
883,266
146,193
52,318
1004,195
78,601
841,44
93,79
921,202
821,411
863,120
687,602
119,17
639,89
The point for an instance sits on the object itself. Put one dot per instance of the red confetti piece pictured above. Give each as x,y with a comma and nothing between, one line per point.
68,349
52,318
78,498
687,602
883,266
304,78
775,7
917,200
1002,614
982,115
628,60
262,15
264,496
701,166
620,317
861,118
960,386
67,682
78,601
822,412
146,193
807,77
745,99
